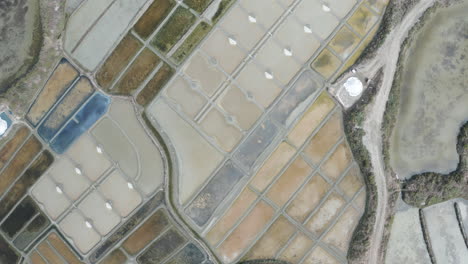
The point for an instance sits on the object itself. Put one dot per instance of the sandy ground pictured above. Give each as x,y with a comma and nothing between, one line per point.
386,57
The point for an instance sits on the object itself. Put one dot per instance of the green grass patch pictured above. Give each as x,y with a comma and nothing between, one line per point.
353,120
198,5
222,8
191,42
177,25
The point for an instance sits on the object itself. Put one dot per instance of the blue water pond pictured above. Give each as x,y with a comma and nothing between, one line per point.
94,109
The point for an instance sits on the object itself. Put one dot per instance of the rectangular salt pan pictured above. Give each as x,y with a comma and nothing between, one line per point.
295,100
160,249
128,226
251,149
202,208
74,98
84,119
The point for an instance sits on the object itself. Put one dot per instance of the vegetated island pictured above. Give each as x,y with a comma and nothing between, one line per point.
429,188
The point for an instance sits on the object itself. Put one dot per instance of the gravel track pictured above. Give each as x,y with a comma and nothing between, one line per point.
386,57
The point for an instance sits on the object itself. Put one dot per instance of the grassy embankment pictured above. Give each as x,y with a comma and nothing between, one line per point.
198,5
191,42
389,121
353,120
173,30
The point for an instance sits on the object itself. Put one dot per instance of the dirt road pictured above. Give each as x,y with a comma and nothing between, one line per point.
386,57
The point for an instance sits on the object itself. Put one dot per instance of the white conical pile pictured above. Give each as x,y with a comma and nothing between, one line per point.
326,8
252,19
353,86
232,41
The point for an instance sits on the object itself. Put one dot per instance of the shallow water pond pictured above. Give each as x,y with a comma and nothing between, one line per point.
434,95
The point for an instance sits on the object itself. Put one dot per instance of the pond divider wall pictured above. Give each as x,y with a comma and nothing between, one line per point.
427,239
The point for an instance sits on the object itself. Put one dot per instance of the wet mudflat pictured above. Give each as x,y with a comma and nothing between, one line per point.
38,224
250,152
27,180
20,37
206,202
162,247
189,254
19,217
7,253
303,91
434,95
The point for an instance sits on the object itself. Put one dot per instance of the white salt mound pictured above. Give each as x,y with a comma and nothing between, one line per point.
3,126
353,86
